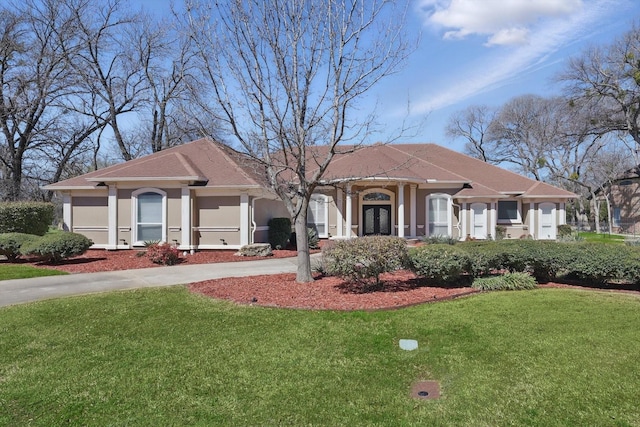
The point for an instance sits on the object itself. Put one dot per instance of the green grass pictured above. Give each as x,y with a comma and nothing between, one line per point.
601,237
546,357
13,271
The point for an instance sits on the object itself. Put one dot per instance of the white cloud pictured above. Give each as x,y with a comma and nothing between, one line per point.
501,67
504,22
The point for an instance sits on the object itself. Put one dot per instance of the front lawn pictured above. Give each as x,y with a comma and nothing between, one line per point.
590,236
17,271
547,357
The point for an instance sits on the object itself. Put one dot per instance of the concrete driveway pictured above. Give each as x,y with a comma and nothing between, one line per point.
20,291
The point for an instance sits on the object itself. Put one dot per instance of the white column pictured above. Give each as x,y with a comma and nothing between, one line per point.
463,219
563,215
492,229
532,219
413,210
401,210
349,215
66,212
185,213
339,216
113,217
244,219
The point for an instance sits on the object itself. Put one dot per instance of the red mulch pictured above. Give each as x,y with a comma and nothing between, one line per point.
401,289
95,260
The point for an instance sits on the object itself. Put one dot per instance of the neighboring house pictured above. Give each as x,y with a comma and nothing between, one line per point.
203,195
624,195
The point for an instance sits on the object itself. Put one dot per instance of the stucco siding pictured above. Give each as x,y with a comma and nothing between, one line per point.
91,218
217,220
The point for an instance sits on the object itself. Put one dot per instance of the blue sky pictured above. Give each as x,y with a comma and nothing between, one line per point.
485,52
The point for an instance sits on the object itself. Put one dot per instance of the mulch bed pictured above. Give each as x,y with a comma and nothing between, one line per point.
400,289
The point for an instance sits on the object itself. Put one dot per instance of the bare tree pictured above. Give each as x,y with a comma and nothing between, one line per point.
610,77
35,83
110,74
473,125
287,76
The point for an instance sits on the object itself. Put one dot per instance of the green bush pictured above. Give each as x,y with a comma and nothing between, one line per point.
600,263
440,262
312,236
364,259
162,253
55,247
26,217
564,230
10,244
486,257
279,232
501,232
444,240
505,282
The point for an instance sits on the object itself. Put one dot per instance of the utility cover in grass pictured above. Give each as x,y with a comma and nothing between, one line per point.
409,344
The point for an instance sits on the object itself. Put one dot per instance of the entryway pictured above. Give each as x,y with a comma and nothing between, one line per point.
376,220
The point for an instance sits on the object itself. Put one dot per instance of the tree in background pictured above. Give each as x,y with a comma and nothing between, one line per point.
286,77
609,76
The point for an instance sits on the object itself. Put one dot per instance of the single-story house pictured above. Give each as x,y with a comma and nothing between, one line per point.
202,195
624,196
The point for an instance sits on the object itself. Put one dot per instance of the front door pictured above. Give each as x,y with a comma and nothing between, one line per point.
377,219
479,221
547,228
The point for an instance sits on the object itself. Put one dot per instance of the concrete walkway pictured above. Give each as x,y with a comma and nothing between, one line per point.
20,291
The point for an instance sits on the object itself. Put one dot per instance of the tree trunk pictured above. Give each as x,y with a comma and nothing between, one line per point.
595,209
303,274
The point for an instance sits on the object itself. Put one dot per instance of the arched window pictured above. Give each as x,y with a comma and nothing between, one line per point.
376,196
149,215
439,215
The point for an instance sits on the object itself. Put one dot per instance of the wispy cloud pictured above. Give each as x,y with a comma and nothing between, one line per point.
539,38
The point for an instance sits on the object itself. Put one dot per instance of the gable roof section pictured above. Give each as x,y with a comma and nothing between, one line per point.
203,161
215,165
432,163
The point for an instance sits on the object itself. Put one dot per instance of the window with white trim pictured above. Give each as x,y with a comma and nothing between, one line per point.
439,215
509,212
149,215
318,214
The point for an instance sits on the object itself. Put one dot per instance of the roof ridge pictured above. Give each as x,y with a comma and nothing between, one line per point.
463,178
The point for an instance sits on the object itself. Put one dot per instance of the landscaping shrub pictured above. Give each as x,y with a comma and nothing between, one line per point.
501,232
440,262
598,263
10,244
444,240
312,236
364,259
486,257
564,230
57,246
279,232
26,217
162,253
505,282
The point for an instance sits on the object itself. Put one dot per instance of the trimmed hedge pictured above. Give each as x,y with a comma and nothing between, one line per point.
26,217
55,247
10,244
505,282
364,259
279,232
440,262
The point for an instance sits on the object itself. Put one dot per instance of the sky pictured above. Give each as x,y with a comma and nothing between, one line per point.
474,52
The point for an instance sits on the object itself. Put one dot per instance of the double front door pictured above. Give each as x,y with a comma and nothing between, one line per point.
376,220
